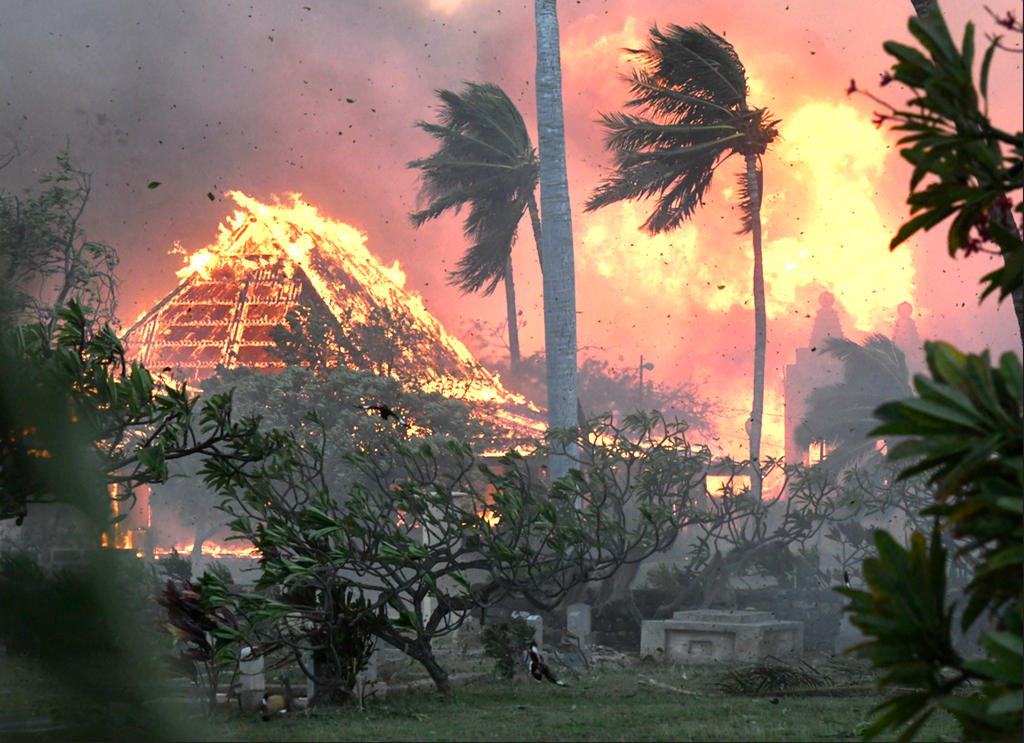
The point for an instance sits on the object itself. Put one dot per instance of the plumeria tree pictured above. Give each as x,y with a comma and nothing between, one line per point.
429,532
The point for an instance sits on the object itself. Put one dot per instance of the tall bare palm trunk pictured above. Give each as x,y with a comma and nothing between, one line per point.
556,237
531,206
754,187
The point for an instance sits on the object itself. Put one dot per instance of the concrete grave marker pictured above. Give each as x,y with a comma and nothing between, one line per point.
252,678
578,622
536,622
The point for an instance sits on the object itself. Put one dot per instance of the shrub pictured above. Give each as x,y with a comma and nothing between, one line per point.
506,643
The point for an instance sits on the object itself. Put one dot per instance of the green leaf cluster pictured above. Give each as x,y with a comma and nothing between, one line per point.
964,167
205,631
506,643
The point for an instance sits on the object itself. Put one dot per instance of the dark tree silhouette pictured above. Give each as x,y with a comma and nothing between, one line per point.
46,260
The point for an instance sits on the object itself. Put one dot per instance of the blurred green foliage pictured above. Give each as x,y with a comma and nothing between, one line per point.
963,430
77,417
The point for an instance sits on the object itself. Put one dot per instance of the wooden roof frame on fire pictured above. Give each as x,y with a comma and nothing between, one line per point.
273,258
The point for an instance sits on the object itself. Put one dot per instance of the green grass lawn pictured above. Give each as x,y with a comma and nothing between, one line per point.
614,704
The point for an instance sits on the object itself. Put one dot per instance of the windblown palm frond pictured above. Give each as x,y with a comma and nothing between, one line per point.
690,92
486,161
494,229
695,61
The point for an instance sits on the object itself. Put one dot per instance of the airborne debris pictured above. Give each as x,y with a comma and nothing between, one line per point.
385,412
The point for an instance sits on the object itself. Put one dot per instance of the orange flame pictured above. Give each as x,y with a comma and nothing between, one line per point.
492,518
210,549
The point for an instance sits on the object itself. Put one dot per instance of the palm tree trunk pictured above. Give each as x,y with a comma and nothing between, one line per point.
513,317
556,237
754,187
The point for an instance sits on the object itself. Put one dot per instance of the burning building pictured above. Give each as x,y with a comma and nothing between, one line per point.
273,259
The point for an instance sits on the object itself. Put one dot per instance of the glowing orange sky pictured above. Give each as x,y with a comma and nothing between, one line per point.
271,98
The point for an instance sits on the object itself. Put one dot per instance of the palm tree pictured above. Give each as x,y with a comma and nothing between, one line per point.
486,161
691,94
841,415
557,246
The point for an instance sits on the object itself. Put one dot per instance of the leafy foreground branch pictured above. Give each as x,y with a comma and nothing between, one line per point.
77,420
963,430
965,166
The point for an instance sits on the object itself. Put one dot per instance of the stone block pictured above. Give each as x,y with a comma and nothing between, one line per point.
536,622
712,636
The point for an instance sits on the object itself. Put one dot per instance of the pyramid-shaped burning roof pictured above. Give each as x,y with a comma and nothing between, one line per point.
271,259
